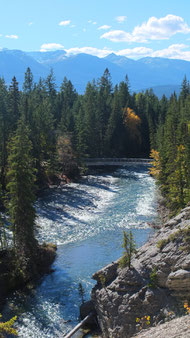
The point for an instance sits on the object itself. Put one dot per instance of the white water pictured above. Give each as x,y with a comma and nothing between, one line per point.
86,220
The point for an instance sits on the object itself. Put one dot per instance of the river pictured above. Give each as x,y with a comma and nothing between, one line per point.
86,220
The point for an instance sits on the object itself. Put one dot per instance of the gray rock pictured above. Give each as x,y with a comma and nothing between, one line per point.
179,280
126,294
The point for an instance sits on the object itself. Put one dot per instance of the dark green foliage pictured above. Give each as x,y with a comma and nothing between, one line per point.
102,279
162,243
173,140
13,104
20,186
129,247
60,127
28,82
153,278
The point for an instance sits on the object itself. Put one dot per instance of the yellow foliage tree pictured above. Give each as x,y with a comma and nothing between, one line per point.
6,327
132,121
155,169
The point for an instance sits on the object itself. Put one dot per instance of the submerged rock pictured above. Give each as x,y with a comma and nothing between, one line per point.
123,295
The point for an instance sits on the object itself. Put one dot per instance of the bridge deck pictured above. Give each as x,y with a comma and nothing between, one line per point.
90,162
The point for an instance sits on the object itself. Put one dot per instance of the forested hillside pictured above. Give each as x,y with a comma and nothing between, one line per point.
172,140
64,127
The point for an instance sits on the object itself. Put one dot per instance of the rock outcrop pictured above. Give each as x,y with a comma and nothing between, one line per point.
176,328
123,295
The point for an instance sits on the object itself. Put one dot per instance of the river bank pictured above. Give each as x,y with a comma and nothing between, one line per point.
12,278
85,220
156,286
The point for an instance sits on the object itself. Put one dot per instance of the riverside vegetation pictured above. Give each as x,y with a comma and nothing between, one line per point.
44,133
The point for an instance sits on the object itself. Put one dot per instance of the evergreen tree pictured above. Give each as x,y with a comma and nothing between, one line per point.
21,178
90,108
103,111
13,104
129,247
4,131
66,100
28,82
124,95
114,138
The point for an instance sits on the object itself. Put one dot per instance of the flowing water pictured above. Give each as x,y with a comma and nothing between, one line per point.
86,220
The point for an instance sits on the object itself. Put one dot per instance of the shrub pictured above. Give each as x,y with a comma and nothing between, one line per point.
161,243
153,278
6,327
129,249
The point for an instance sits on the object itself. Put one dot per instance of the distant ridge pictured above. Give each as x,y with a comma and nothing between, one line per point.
161,74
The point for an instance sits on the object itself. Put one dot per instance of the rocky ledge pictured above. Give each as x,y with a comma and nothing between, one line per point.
157,285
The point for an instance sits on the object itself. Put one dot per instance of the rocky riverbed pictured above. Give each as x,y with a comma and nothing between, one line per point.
157,285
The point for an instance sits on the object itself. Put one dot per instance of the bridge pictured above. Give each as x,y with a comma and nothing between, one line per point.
118,162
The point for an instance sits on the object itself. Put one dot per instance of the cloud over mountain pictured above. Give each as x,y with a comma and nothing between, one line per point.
153,29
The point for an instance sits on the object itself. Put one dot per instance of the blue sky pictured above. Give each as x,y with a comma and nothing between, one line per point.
135,28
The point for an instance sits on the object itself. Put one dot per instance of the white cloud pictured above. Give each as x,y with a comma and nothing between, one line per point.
30,23
89,50
104,27
84,30
175,51
153,29
12,36
92,22
51,46
121,18
65,23
117,36
135,52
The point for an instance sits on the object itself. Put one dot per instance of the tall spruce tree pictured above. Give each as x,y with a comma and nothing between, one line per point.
4,131
13,104
21,197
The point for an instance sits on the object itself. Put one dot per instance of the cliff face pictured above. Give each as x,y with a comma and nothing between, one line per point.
122,295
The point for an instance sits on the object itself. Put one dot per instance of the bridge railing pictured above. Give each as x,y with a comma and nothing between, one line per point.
93,160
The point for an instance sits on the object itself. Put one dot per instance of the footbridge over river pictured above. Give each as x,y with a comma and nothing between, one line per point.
118,162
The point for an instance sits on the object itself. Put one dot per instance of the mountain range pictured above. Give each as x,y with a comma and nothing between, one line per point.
161,74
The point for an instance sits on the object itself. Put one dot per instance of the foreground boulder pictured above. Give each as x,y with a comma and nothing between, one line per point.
157,285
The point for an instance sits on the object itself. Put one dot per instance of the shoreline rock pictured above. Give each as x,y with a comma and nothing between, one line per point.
122,295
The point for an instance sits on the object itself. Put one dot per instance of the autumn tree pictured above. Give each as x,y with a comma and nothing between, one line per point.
132,122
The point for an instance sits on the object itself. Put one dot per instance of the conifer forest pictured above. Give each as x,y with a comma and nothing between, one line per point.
46,132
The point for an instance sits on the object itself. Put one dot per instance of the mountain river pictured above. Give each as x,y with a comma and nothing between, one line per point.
86,220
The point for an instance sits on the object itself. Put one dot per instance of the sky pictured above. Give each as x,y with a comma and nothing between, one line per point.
135,28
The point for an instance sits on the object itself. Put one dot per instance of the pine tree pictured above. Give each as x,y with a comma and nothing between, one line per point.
28,82
90,107
114,138
13,106
66,99
4,131
21,179
129,247
103,111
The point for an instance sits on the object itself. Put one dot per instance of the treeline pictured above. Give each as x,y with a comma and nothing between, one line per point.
172,144
45,132
64,125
